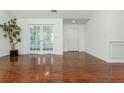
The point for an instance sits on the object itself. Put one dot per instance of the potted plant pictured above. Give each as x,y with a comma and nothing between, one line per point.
12,32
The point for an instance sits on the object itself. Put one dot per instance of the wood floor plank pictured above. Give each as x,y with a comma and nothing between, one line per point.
77,67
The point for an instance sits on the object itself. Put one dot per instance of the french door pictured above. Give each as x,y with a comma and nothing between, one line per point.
41,39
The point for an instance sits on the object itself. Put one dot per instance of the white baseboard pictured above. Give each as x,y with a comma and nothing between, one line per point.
108,60
116,61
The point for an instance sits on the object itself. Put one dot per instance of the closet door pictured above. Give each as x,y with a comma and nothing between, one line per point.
72,39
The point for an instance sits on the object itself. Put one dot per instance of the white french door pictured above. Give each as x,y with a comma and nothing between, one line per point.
41,39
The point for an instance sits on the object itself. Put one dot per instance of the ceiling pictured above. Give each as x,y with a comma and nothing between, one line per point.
66,14
75,21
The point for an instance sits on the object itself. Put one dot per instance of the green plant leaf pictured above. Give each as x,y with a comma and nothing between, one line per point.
1,25
5,35
19,40
15,19
17,32
11,28
14,34
8,22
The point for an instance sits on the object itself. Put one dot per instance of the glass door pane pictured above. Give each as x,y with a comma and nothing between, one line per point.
47,37
34,38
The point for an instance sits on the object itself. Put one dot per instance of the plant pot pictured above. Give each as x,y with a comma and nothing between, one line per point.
13,53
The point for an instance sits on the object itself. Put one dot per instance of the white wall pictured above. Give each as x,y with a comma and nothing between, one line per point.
58,47
80,28
4,44
81,37
116,32
117,26
103,27
97,35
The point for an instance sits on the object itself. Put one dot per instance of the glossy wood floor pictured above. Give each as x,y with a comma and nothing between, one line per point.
72,67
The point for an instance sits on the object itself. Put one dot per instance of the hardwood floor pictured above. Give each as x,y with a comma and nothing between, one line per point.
72,67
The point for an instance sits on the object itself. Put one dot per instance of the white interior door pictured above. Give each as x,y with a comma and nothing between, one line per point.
41,39
72,39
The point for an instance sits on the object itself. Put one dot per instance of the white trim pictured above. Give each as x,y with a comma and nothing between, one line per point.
115,58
